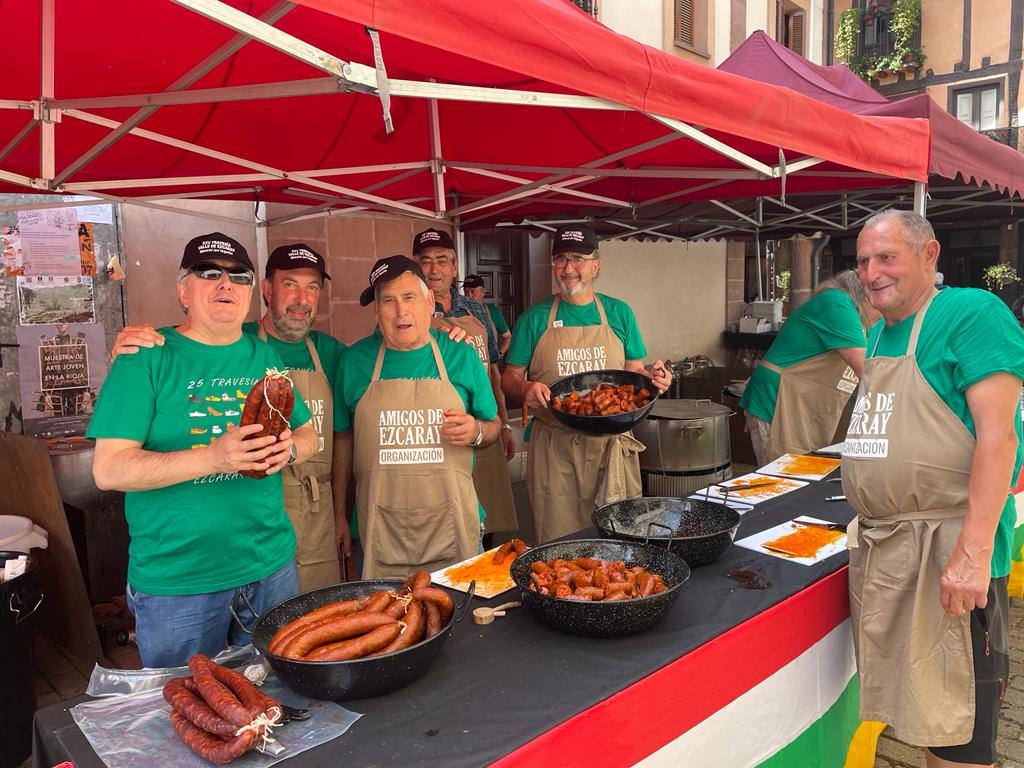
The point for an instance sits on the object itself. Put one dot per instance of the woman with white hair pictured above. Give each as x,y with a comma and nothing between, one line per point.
797,393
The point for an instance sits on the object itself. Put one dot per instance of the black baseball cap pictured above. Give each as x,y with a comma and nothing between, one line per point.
574,239
296,256
473,281
215,245
431,238
386,270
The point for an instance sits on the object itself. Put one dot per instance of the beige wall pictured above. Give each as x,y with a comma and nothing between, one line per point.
350,245
676,290
153,241
641,20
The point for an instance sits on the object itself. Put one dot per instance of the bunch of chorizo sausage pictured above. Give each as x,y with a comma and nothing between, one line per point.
383,622
593,580
603,400
270,403
217,712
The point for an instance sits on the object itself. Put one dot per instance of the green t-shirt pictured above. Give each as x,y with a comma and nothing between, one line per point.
534,321
217,531
460,360
967,335
824,322
498,318
295,356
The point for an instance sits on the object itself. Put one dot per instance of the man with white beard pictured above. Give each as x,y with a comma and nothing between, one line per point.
569,473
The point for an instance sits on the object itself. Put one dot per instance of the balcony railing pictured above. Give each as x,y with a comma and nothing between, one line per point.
587,6
1006,136
877,40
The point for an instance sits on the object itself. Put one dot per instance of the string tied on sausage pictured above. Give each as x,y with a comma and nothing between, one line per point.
405,600
263,725
276,374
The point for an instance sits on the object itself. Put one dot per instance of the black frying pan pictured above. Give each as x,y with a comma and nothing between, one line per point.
602,425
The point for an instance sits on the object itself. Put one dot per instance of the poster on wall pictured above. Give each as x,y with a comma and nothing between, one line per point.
62,367
87,248
53,299
97,214
14,258
49,240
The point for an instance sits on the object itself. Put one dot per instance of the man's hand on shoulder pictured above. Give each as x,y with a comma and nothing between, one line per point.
130,338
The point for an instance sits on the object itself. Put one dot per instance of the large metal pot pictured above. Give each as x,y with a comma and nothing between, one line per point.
72,469
685,436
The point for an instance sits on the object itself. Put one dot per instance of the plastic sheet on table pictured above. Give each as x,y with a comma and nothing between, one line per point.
124,682
134,731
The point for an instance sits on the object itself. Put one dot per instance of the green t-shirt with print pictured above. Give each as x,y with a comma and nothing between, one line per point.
967,335
217,531
460,360
532,324
824,322
296,357
499,319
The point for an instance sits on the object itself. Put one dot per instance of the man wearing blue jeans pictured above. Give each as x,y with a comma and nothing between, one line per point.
166,431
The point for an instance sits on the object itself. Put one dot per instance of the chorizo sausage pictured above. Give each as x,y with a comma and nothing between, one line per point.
192,706
208,746
217,695
416,625
539,567
399,607
588,563
503,551
434,623
592,593
243,688
438,597
519,546
331,610
334,630
269,403
357,647
645,584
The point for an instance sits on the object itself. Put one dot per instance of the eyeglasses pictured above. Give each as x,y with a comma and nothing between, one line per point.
237,275
577,261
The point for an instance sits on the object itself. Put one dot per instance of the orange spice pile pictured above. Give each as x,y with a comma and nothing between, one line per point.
810,465
805,541
483,570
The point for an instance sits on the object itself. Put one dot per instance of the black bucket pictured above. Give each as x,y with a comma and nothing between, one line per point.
19,599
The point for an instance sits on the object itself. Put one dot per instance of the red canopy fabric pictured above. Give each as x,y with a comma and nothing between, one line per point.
956,149
119,47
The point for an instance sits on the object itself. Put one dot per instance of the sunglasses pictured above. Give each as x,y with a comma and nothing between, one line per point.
208,271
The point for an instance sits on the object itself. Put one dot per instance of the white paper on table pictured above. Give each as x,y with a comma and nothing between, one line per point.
783,466
754,542
836,449
739,506
780,486
483,589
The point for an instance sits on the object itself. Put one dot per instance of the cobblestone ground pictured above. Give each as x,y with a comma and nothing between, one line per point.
896,754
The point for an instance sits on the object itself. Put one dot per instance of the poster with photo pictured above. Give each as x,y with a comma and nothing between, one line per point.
49,239
55,299
13,256
62,367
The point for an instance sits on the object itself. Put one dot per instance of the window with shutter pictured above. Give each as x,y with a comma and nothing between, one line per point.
795,22
978,106
684,22
780,21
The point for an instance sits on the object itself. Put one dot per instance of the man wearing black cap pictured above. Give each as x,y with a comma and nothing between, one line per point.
166,431
473,286
434,251
418,404
567,472
314,492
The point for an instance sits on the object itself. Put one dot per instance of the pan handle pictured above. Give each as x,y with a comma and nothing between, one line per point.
462,610
611,526
344,562
652,524
234,614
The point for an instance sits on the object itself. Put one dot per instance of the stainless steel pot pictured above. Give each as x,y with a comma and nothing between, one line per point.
685,436
72,468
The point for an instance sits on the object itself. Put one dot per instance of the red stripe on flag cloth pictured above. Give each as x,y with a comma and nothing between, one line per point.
637,721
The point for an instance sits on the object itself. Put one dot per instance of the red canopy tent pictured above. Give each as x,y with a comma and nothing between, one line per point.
470,111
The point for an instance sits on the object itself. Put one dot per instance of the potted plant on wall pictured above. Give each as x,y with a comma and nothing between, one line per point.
1000,276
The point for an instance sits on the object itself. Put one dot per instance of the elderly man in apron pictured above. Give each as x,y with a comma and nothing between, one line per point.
473,286
932,446
434,250
418,404
314,492
797,393
569,473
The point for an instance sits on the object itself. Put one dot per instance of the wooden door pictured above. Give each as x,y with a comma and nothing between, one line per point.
498,259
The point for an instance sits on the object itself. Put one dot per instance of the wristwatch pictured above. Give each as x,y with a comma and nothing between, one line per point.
479,434
293,453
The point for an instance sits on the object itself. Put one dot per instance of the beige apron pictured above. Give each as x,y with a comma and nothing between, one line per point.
569,473
812,396
414,493
308,499
490,475
906,463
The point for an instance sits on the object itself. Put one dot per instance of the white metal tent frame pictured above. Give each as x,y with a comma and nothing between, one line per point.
560,186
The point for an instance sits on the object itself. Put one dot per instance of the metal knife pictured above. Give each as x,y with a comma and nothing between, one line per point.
821,524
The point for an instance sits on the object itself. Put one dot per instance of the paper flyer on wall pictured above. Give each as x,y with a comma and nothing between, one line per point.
61,369
97,214
13,256
49,239
55,299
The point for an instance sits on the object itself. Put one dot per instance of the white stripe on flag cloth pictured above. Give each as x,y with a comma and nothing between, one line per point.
760,722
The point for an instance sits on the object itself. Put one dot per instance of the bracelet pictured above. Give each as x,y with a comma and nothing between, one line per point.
507,426
479,434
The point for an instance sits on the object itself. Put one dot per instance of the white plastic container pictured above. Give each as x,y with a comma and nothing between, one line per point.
19,534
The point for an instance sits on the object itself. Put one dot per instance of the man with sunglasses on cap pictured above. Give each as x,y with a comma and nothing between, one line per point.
435,252
473,286
569,473
418,403
166,430
314,492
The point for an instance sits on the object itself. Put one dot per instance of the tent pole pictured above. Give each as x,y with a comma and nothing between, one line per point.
46,122
920,199
757,261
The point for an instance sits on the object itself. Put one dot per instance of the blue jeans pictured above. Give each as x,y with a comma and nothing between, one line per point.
169,629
